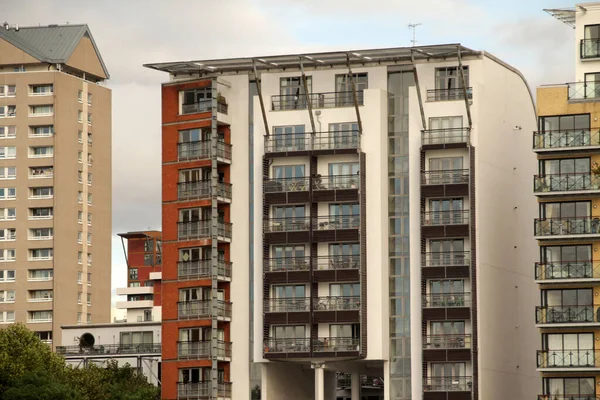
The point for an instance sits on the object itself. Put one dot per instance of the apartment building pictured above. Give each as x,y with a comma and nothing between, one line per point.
134,340
55,198
567,144
384,219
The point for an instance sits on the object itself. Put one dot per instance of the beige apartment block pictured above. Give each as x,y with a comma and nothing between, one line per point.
55,179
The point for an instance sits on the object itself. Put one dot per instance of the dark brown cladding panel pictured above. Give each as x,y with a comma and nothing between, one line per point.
445,272
286,237
335,316
287,277
437,314
341,275
460,189
287,318
443,231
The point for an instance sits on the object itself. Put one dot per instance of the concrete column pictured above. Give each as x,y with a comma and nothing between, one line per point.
319,383
355,386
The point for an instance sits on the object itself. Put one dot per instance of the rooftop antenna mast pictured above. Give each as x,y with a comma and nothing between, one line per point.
413,27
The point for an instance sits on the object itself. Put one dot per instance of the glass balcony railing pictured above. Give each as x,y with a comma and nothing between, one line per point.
317,100
565,139
202,230
565,182
200,150
447,300
297,304
202,269
583,90
285,185
202,106
438,218
339,262
449,94
287,345
294,224
196,390
445,136
281,264
565,314
446,259
202,349
447,384
445,177
202,189
335,344
335,140
567,226
336,303
564,270
589,48
447,341
572,358
332,182
335,222
202,309
138,348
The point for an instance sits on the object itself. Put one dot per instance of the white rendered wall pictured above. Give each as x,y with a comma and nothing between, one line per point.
589,16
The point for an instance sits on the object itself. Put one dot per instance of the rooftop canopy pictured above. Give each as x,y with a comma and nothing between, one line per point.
566,15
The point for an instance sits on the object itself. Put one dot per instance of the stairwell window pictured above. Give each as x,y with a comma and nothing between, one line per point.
41,111
79,277
89,99
80,96
8,152
8,193
89,199
89,118
8,111
89,239
79,115
8,132
89,259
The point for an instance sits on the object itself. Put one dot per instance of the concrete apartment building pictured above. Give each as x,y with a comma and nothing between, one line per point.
383,232
567,187
135,339
55,197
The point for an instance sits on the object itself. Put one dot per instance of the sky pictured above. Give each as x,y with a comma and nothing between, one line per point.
130,33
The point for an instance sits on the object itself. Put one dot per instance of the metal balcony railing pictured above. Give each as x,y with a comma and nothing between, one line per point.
344,380
448,94
568,397
307,141
203,349
202,189
572,358
565,182
202,229
138,348
447,384
287,345
195,390
337,262
280,264
199,150
447,300
445,136
202,308
564,314
331,182
202,106
201,269
565,138
293,224
583,90
559,270
318,100
589,48
336,303
283,185
336,222
445,177
335,344
566,226
462,341
446,259
437,218
297,304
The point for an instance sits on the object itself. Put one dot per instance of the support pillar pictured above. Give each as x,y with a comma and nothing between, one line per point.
319,383
355,386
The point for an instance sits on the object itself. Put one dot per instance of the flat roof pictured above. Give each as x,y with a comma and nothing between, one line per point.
325,59
111,325
140,234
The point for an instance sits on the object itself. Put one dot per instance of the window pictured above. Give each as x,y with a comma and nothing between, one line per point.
80,197
80,216
89,118
40,275
89,278
448,328
8,90
40,295
89,198
79,298
340,334
289,218
42,192
79,115
40,316
79,176
89,158
289,292
8,193
196,100
194,294
89,218
40,111
8,111
344,289
8,152
448,83
89,318
567,388
8,214
288,257
7,296
292,93
90,141
7,317
446,211
7,275
136,338
590,45
289,172
79,237
89,299
566,262
343,175
89,259
89,99
7,254
575,215
80,156
89,238
8,234
40,254
80,96
344,95
449,370
289,138
42,151
289,332
8,172
133,273
41,213
8,132
41,90
45,336
79,255
89,178
79,277
41,172
342,136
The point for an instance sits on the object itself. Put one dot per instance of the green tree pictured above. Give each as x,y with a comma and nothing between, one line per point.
40,386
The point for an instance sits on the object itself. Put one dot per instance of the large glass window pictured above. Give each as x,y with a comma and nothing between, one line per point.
565,123
289,292
134,338
289,332
289,138
288,171
344,135
292,93
570,388
447,370
291,212
344,92
567,297
448,328
344,289
448,78
567,262
447,252
565,166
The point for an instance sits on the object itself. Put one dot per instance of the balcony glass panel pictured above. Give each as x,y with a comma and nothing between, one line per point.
567,226
590,48
453,217
446,259
445,136
565,182
448,341
572,358
567,270
447,300
336,303
295,304
448,384
566,138
445,177
287,345
335,344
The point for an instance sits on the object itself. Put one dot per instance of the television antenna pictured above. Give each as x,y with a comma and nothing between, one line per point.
413,27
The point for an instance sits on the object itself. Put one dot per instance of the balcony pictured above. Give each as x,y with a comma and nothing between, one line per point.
141,348
294,224
317,100
337,268
565,315
447,384
337,303
445,264
583,91
286,190
572,359
447,300
298,304
41,172
462,341
196,390
201,269
203,350
449,94
566,228
445,223
203,106
287,347
568,184
201,150
297,144
199,309
202,190
442,183
336,345
567,272
450,138
589,48
284,264
202,230
565,140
